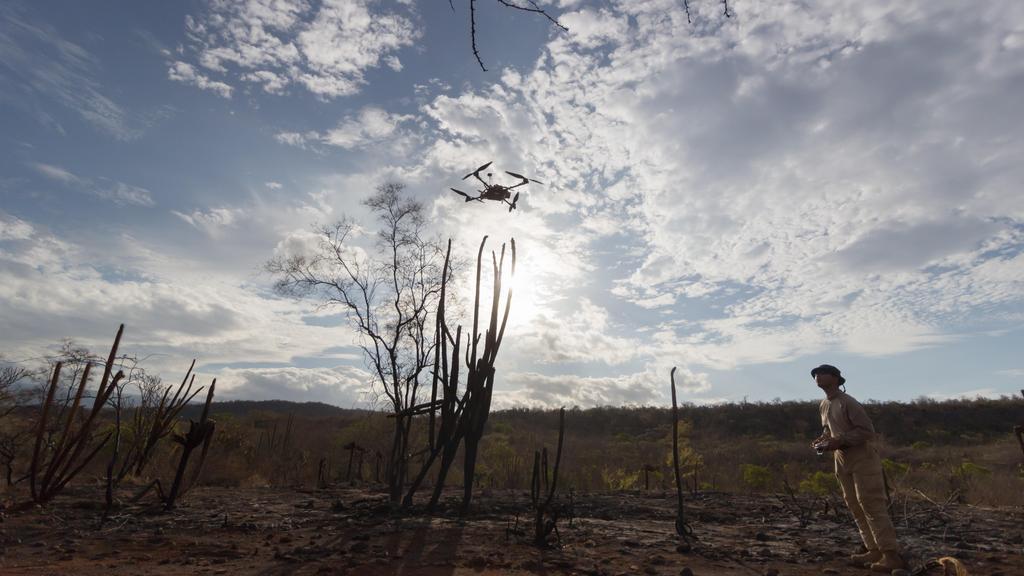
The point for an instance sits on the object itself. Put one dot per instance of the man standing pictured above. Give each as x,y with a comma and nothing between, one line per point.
849,434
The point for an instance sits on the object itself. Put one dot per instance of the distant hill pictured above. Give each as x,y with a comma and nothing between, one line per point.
243,408
933,422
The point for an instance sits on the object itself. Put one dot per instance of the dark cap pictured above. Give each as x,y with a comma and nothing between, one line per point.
828,369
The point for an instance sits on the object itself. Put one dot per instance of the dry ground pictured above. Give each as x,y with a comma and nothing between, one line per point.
351,531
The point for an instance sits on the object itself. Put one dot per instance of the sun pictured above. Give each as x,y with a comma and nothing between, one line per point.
531,290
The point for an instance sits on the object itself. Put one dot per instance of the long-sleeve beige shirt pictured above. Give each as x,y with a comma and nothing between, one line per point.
847,421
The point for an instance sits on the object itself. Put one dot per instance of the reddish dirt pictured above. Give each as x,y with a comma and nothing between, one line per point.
352,531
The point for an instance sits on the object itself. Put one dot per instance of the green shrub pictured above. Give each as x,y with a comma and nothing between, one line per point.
895,469
756,477
820,484
968,470
619,479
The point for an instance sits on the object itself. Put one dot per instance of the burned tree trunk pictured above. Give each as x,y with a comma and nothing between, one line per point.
163,419
542,490
49,475
454,418
351,447
199,434
682,528
322,474
1019,432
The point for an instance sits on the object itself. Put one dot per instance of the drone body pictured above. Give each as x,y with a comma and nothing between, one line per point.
495,192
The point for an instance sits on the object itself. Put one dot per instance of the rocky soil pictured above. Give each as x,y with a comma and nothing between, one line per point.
352,531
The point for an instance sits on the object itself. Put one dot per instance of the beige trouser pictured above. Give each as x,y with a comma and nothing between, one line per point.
860,474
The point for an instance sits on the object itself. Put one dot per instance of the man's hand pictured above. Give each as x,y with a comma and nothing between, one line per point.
828,444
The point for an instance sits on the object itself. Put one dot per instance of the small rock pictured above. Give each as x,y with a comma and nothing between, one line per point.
830,571
771,572
358,547
684,548
761,537
686,571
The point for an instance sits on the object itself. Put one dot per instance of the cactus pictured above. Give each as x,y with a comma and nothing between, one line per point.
47,477
199,434
454,418
542,490
682,528
1018,431
163,420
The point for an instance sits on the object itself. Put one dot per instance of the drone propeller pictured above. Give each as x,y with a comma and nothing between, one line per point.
512,205
463,194
477,171
523,178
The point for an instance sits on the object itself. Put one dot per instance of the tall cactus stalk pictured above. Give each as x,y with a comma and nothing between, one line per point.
542,490
48,476
454,418
682,528
1019,431
199,434
161,423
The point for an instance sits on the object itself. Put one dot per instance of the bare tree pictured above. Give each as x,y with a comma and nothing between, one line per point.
388,293
11,393
12,432
521,5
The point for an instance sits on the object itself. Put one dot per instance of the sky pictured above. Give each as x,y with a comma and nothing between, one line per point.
744,196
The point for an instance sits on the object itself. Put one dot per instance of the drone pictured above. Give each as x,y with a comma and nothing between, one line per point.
495,191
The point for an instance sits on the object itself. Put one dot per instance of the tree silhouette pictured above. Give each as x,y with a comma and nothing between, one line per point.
388,296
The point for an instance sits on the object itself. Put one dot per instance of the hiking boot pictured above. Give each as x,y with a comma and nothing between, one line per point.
869,557
891,560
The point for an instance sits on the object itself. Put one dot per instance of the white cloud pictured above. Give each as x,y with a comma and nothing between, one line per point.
990,393
40,65
324,47
187,73
214,221
56,173
116,192
174,309
121,193
371,126
295,139
810,177
532,389
344,386
582,334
